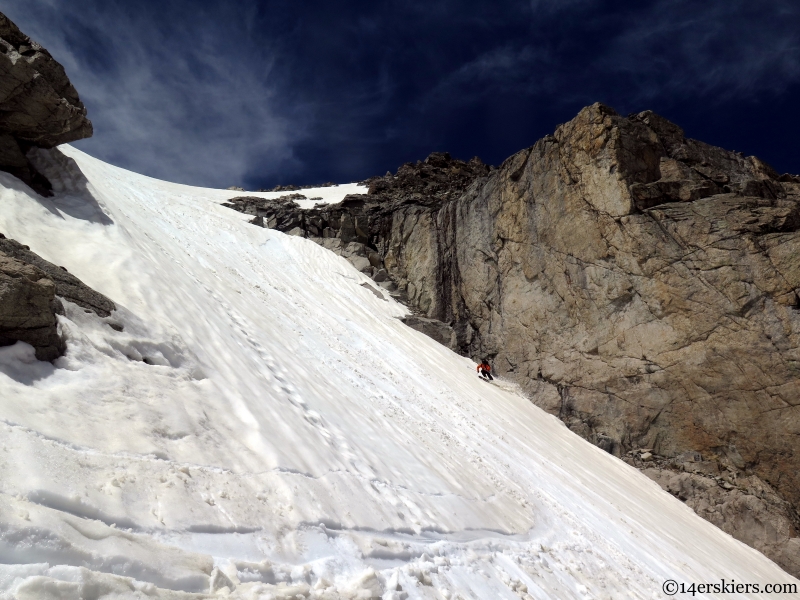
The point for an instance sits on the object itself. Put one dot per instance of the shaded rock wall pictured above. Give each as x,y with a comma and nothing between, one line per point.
39,107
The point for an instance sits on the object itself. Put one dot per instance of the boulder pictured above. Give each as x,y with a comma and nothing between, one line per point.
39,107
31,290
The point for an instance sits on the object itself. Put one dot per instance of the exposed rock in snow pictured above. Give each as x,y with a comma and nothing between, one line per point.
441,332
364,228
293,188
28,308
67,286
38,104
30,293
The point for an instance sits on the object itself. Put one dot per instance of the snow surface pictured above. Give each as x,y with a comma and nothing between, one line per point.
265,425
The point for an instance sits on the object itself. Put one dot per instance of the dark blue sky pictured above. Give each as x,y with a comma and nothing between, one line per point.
259,93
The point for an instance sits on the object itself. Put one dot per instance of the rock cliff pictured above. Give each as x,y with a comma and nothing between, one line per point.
741,505
638,284
39,107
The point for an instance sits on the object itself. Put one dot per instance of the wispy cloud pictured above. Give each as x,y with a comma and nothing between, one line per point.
717,51
732,49
260,92
195,102
525,70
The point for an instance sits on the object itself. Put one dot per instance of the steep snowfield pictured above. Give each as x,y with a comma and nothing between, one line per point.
264,422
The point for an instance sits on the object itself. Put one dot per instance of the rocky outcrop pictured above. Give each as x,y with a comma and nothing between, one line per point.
31,290
433,328
670,326
38,105
66,285
642,286
28,307
39,108
638,284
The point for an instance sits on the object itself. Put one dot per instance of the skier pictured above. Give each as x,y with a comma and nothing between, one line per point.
485,370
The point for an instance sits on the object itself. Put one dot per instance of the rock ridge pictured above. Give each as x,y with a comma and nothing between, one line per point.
361,226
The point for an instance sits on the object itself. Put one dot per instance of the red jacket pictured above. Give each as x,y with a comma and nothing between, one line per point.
483,366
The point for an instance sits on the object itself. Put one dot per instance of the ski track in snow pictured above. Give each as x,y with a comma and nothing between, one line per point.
264,426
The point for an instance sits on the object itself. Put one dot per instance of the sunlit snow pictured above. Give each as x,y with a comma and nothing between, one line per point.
265,425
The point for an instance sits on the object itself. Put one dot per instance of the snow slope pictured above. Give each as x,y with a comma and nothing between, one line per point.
265,425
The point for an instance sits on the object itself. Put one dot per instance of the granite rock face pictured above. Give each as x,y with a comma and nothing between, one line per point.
750,510
651,280
642,286
638,284
39,107
742,505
